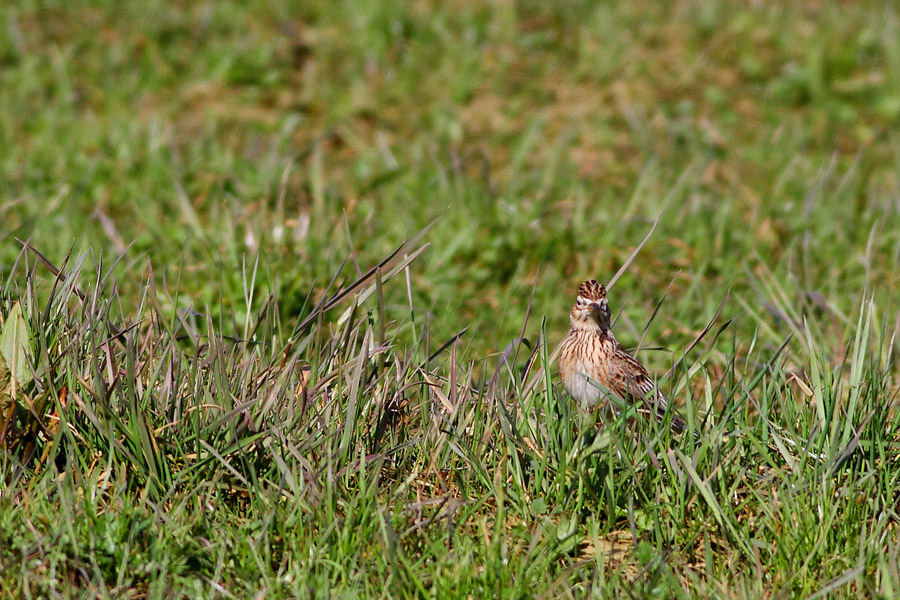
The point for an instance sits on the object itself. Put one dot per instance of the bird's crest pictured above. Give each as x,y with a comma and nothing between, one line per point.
591,291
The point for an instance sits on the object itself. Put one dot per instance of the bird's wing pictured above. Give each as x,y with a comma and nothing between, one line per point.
634,382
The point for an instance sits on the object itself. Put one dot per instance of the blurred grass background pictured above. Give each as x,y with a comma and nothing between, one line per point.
551,135
196,138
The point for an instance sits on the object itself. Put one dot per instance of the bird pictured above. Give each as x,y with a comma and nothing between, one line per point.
590,354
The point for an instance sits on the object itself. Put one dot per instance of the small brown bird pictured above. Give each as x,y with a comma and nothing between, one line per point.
590,351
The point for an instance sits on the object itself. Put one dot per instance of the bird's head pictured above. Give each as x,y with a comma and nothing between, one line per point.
591,310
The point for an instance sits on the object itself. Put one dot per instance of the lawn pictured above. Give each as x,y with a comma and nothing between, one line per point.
282,285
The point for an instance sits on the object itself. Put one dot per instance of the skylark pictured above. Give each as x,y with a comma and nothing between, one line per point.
590,354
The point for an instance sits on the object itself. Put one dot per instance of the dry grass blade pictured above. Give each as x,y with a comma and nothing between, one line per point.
631,257
445,345
390,262
53,268
701,335
838,582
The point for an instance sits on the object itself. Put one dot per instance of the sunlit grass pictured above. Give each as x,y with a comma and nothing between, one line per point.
314,262
259,458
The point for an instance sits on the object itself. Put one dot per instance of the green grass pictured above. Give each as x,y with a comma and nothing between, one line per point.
224,398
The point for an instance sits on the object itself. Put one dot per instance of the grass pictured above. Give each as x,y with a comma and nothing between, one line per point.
316,258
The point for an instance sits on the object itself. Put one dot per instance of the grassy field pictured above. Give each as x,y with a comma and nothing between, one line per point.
314,260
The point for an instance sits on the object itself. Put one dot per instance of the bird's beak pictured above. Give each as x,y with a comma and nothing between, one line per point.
596,306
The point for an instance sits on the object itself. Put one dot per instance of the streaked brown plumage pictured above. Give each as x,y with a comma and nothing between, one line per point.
590,351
